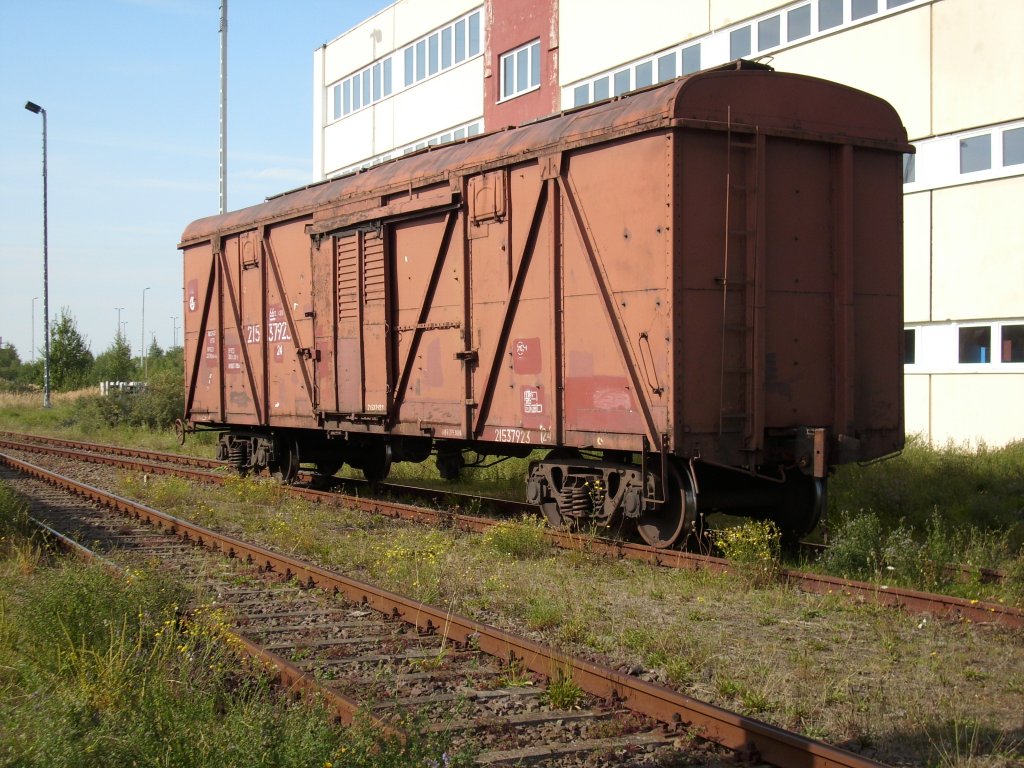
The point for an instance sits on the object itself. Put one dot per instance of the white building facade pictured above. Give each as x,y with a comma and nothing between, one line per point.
425,72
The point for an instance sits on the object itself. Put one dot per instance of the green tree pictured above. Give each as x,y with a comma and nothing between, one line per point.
70,357
115,363
173,359
10,363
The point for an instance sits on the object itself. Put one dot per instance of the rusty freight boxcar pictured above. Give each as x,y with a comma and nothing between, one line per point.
688,299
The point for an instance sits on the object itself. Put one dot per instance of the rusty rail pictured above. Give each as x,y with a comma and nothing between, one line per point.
746,735
896,597
293,679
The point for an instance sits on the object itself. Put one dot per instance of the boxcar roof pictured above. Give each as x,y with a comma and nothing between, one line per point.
743,95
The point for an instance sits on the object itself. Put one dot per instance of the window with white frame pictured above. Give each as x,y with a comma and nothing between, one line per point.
520,70
362,89
976,344
994,346
976,153
792,24
442,49
1012,346
909,346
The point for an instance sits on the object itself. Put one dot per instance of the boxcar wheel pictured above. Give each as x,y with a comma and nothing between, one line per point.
376,464
674,519
803,502
286,468
329,467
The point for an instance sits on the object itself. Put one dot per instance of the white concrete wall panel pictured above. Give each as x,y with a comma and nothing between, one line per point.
383,126
414,18
356,49
977,243
599,34
726,12
347,141
917,405
451,98
916,257
977,408
396,25
977,73
319,103
889,58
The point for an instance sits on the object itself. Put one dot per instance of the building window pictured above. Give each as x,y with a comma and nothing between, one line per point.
830,14
896,3
460,40
442,49
769,32
666,67
909,168
976,153
861,8
1013,146
644,74
976,344
798,23
432,54
446,47
1012,343
601,89
337,102
739,43
909,346
474,33
621,82
581,95
410,72
520,70
691,59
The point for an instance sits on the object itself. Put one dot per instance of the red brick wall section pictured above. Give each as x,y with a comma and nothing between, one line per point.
510,24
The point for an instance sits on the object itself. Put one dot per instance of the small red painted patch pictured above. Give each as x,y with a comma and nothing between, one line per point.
526,355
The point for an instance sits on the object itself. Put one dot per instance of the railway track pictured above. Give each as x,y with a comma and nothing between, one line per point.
361,646
204,470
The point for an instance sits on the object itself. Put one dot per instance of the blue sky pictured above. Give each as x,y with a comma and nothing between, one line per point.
131,90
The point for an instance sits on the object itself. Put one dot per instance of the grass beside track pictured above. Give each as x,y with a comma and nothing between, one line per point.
97,670
893,521
901,688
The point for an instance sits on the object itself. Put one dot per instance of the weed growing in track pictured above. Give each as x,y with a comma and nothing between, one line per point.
522,539
754,548
562,691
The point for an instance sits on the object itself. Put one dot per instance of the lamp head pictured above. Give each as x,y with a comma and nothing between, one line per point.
33,107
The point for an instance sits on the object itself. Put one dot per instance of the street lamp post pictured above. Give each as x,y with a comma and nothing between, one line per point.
174,331
119,311
32,107
34,300
145,357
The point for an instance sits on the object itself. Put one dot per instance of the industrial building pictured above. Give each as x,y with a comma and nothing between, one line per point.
427,72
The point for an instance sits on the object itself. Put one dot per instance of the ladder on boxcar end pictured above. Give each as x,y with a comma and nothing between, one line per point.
742,297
